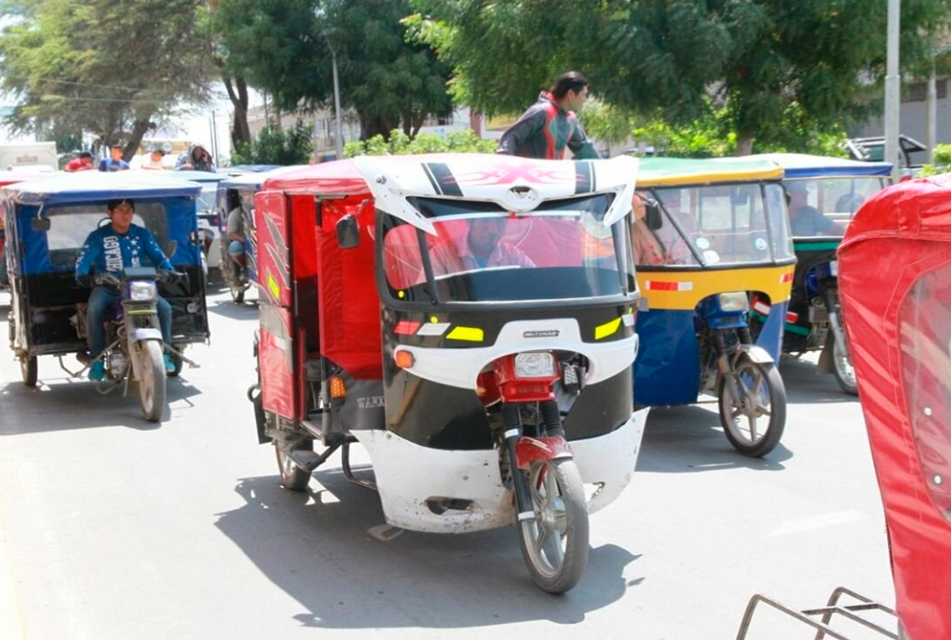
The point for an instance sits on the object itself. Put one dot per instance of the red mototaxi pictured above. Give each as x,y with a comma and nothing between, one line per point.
895,287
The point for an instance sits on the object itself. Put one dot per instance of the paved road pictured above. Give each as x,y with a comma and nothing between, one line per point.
112,528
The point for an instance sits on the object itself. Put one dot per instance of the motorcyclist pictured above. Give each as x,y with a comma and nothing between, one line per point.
550,127
236,231
196,158
112,248
804,219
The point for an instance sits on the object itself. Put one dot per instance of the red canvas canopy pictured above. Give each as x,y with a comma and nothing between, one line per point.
895,287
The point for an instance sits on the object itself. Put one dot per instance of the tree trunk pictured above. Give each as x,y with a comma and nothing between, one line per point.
744,144
372,124
139,129
238,94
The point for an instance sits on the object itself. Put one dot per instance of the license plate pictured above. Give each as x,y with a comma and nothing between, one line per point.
834,268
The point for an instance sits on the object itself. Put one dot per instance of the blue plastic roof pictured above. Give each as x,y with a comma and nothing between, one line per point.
239,169
187,174
93,186
802,165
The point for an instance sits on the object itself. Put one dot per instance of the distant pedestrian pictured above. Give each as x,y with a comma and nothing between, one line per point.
83,162
196,158
155,161
550,127
115,161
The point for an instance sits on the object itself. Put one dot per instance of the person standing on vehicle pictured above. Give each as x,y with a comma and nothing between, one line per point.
550,127
196,158
112,248
115,161
83,162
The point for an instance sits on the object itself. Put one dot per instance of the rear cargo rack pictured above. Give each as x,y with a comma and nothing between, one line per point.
832,608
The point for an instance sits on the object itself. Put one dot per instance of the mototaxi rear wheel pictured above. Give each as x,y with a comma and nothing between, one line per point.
29,370
292,477
753,422
555,542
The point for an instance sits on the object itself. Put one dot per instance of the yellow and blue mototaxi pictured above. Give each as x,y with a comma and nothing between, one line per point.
708,235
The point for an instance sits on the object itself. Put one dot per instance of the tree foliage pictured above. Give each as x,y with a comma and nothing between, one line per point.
286,48
399,144
110,67
752,58
274,145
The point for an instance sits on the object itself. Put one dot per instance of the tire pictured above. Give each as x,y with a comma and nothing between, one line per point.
293,477
769,396
29,371
555,543
152,384
843,371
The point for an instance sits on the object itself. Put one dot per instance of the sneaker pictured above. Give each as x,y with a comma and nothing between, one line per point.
97,371
169,364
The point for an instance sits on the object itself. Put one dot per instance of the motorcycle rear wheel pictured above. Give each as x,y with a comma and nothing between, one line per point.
764,395
152,383
555,543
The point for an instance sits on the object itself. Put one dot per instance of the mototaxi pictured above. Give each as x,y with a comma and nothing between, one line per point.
713,233
829,191
233,192
895,290
12,177
48,221
486,394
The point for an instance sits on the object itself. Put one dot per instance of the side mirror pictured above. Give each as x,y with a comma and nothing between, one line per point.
40,224
170,248
348,233
653,217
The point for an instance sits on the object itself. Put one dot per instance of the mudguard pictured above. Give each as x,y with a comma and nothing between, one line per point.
756,353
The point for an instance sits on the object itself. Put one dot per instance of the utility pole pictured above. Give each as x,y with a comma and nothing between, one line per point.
338,138
893,90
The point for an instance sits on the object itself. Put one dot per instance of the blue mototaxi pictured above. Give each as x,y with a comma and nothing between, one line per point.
824,195
229,196
47,222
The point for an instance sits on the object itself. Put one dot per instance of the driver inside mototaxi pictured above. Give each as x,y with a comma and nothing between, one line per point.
804,219
113,248
482,248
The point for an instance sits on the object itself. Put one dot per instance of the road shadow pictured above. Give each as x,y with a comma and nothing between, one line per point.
63,403
805,386
689,439
224,307
331,551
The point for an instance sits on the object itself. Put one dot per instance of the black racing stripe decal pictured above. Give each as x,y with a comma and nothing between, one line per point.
432,178
446,180
584,177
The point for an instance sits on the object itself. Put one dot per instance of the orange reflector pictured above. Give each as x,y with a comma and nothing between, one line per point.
337,388
405,360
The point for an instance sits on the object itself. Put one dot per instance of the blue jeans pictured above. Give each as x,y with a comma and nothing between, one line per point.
100,301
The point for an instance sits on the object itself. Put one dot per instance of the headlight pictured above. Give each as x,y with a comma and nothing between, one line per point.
142,291
734,301
539,364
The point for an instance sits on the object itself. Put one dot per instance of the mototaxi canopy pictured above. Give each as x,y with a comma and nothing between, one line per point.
895,289
804,165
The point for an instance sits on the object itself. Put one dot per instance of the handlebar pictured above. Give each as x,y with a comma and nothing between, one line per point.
107,278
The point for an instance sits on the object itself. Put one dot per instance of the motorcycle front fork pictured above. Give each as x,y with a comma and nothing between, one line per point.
724,355
550,425
835,323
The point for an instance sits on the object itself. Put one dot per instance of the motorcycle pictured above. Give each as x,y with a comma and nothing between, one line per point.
134,346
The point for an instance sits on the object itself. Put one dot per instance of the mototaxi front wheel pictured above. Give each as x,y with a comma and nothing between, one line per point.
555,542
292,477
152,382
843,370
29,370
754,421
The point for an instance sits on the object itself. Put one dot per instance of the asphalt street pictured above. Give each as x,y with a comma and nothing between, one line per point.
114,528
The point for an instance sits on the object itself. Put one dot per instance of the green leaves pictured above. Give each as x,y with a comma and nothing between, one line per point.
277,146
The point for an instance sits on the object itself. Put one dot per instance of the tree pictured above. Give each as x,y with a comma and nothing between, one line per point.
110,67
277,146
753,58
286,48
